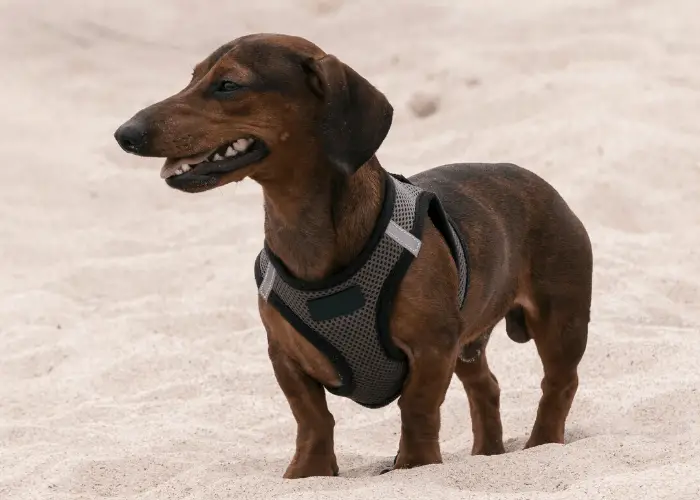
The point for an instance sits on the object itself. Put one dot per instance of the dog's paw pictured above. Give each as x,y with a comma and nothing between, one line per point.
311,468
410,463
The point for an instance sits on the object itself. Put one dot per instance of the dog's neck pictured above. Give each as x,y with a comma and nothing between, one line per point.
318,224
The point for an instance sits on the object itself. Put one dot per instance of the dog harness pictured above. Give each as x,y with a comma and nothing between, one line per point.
346,316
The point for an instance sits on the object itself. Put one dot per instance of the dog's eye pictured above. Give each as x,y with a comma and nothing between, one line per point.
227,86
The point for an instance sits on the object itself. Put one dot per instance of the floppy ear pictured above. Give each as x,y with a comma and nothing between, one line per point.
356,117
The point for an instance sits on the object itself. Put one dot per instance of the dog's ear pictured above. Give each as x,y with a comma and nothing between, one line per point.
356,117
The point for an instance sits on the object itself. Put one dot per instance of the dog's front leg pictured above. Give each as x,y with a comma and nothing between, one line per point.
423,394
314,454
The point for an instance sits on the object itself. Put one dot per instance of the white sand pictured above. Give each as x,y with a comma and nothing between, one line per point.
132,360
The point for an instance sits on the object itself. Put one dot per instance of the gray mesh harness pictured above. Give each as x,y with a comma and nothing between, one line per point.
347,315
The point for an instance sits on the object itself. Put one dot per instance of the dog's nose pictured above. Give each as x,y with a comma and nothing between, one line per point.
131,136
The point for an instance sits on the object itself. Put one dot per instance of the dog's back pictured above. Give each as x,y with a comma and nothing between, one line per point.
521,236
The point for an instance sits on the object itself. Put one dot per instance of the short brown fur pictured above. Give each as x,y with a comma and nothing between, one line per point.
530,257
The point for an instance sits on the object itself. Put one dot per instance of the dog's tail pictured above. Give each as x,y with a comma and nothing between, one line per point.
516,326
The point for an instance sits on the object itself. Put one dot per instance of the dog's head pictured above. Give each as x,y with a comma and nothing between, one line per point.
260,106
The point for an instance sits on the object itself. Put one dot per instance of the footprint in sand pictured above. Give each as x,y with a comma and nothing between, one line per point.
423,105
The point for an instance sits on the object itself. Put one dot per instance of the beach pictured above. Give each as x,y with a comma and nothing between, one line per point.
133,363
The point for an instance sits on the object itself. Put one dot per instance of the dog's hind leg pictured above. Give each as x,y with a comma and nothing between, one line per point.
483,394
555,295
561,342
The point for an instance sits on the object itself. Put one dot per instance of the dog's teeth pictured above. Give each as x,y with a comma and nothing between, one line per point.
218,157
186,168
231,152
240,145
178,171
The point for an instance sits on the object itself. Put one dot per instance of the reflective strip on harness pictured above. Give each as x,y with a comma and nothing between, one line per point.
268,281
403,238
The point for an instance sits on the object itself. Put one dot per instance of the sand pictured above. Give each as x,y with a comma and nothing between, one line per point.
133,364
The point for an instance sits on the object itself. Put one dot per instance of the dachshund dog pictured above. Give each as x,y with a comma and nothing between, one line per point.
363,286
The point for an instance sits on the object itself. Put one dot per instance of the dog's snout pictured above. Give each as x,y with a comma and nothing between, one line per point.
132,136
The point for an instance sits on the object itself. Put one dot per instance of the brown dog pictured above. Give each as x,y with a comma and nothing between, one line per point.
306,127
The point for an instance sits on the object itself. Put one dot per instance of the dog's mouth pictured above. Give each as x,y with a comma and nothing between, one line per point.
214,163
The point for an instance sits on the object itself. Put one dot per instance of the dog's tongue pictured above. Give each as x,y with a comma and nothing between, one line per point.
172,164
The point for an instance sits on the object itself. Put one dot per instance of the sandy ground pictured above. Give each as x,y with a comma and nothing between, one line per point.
132,360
